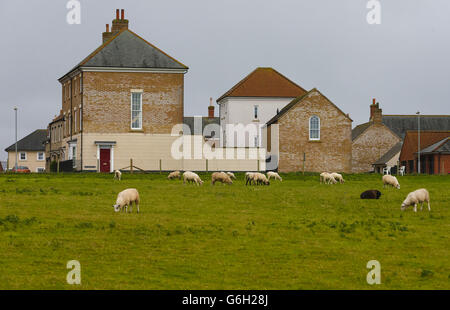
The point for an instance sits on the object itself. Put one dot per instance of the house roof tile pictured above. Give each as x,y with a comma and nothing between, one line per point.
265,82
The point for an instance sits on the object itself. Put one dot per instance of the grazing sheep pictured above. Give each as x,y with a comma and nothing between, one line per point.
260,179
272,174
390,180
249,178
220,177
370,194
338,177
192,177
416,197
117,175
327,178
125,199
231,175
322,177
174,175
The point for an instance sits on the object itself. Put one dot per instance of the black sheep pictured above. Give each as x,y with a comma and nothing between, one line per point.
371,194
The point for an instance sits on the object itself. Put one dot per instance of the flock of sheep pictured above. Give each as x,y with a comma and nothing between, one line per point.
129,196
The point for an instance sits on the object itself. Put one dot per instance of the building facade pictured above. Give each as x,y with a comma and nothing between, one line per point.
119,104
373,142
30,152
248,105
312,134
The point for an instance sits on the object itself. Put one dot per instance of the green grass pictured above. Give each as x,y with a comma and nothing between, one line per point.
297,234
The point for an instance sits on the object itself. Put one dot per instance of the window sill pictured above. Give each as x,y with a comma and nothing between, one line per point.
315,141
136,130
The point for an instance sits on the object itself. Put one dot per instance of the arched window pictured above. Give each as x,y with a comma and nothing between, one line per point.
314,128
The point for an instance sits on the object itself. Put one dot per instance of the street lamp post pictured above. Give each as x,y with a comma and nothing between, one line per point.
15,112
418,142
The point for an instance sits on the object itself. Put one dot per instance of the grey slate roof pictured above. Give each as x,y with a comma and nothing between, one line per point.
33,142
442,146
389,154
358,130
399,124
128,50
189,121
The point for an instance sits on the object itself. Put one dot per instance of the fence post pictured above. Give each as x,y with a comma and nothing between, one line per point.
131,165
257,165
57,166
160,166
304,159
206,165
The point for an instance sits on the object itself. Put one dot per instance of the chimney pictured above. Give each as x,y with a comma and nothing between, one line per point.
106,35
376,114
120,23
211,108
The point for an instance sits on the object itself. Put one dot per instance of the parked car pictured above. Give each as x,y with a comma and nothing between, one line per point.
21,169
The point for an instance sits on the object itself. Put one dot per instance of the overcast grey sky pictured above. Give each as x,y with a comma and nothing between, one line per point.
328,44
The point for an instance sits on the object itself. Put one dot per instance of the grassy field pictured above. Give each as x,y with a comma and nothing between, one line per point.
297,234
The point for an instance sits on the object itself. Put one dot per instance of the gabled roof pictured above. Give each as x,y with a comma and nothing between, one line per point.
427,138
33,142
128,50
442,146
287,107
400,124
389,154
358,130
265,82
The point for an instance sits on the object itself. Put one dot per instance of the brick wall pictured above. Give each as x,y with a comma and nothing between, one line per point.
370,146
107,101
333,152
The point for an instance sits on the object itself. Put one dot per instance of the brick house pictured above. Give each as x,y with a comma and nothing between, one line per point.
119,103
435,148
253,101
374,142
311,126
31,152
206,126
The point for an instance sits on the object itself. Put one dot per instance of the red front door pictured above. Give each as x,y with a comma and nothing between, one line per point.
105,160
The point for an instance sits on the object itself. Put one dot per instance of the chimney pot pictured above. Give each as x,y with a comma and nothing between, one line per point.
107,27
122,12
117,13
211,108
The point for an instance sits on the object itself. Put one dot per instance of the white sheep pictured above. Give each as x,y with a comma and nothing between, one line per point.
126,198
416,197
231,175
338,177
117,175
390,180
260,179
249,178
327,178
192,177
221,177
174,175
272,174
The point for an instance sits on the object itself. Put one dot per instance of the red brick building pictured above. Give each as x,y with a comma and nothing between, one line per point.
311,127
119,103
435,152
